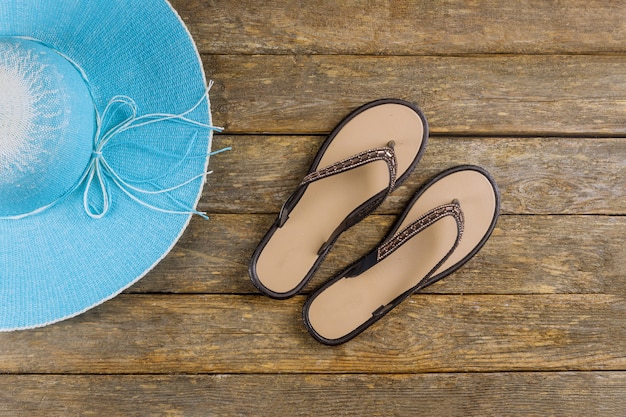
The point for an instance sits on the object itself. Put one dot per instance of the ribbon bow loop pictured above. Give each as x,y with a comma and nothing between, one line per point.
101,177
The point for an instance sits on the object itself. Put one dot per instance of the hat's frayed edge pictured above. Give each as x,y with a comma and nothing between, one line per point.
182,231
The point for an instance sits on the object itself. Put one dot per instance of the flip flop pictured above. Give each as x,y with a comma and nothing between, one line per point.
445,224
369,154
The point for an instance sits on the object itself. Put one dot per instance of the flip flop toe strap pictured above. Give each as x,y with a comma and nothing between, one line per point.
393,243
397,240
386,154
453,209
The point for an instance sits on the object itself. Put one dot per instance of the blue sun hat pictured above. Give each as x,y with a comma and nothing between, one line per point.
105,136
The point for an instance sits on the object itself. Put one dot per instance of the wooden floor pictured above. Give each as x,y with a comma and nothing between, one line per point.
535,324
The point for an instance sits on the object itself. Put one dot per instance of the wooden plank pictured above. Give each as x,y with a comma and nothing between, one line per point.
512,394
486,95
525,255
535,175
253,334
405,27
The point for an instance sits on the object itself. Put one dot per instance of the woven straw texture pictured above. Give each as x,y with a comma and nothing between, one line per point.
61,262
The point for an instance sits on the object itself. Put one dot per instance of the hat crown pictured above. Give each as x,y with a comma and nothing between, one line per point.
47,125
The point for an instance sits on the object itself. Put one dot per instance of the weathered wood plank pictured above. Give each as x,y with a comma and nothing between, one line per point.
489,95
253,334
404,27
525,255
535,175
512,394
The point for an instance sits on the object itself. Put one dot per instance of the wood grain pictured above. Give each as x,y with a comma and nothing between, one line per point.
486,95
534,175
525,255
405,27
513,394
139,334
534,91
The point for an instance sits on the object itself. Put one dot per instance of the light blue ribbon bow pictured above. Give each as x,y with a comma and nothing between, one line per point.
103,175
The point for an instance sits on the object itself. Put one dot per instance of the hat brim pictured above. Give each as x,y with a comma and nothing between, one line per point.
61,262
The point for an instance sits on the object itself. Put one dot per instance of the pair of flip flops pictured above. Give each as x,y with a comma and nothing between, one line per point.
368,155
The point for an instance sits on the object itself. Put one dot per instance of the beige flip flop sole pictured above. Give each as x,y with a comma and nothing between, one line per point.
363,293
317,213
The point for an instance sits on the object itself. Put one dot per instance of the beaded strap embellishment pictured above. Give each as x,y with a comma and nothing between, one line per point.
386,154
453,209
